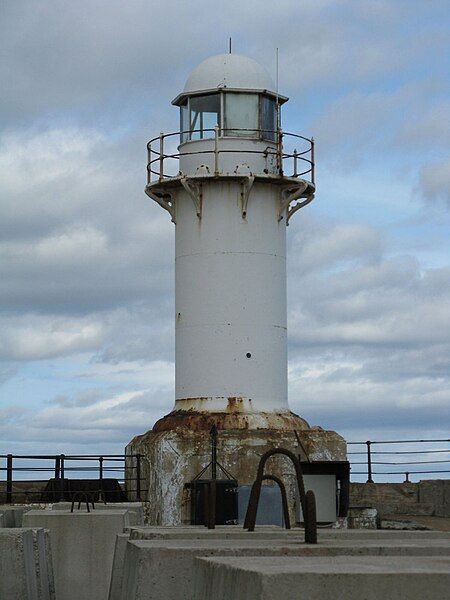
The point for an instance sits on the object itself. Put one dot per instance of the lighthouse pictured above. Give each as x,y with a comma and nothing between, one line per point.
231,179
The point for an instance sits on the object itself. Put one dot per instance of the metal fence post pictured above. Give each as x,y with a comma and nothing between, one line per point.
369,463
100,468
61,460
138,477
57,466
9,478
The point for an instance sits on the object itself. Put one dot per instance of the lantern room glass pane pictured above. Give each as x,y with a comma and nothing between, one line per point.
204,116
268,118
241,115
184,122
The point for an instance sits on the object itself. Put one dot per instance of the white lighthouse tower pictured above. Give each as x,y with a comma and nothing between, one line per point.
230,180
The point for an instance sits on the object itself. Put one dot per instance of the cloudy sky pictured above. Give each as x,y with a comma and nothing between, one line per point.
86,271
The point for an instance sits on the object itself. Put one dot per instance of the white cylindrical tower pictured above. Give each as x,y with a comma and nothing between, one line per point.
228,193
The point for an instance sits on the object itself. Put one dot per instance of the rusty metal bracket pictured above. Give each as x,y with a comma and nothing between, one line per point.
195,191
290,194
165,200
246,186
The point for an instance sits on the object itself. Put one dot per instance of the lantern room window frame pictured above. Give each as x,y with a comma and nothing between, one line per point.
261,132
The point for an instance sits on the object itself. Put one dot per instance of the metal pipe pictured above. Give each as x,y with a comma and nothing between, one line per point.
369,463
138,477
213,434
9,478
161,156
313,166
100,469
149,163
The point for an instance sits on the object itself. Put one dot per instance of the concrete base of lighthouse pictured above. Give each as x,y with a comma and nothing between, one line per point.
179,447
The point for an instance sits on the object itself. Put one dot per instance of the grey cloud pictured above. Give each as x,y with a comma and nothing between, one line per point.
435,182
87,258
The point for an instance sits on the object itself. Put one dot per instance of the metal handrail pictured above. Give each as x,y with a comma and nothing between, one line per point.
369,452
129,462
156,154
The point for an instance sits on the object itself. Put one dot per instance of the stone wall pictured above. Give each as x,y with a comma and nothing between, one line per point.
425,498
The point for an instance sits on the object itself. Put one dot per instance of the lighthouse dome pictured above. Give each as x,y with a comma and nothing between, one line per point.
229,71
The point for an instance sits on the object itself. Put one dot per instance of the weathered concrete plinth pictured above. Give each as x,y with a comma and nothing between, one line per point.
173,457
135,509
162,562
13,514
82,548
320,578
26,571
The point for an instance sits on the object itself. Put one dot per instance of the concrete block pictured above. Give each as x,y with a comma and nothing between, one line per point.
18,577
115,588
164,568
319,578
135,509
82,547
43,564
13,515
272,532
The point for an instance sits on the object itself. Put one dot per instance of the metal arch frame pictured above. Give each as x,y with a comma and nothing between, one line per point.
284,502
307,500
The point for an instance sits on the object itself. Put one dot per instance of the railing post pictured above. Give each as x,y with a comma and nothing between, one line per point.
280,151
61,459
216,150
9,478
161,156
369,463
406,477
100,468
295,163
313,166
138,477
149,161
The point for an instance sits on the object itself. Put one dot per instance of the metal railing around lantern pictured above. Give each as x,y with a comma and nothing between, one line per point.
298,163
